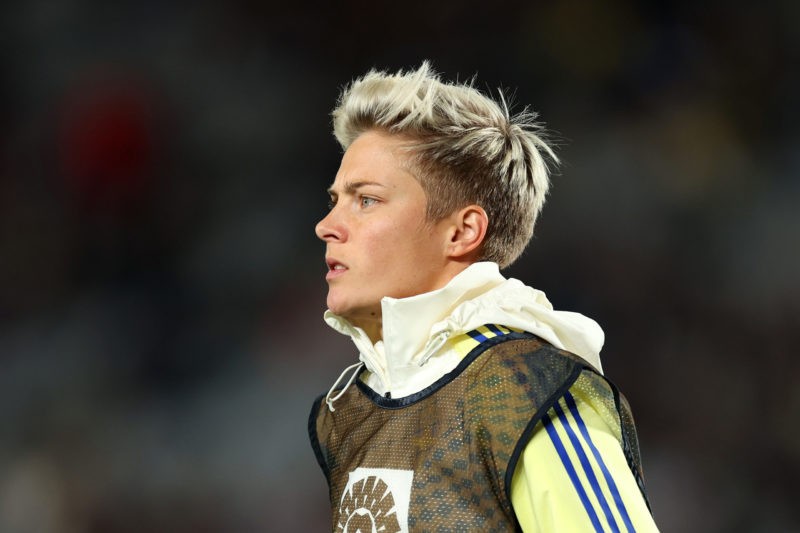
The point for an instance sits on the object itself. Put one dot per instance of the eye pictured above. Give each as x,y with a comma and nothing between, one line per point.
366,201
331,203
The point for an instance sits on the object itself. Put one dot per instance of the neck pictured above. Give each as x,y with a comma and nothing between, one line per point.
372,322
373,328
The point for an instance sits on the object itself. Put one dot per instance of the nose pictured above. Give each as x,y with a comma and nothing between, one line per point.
330,228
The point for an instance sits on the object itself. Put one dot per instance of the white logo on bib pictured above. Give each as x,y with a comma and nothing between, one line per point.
375,500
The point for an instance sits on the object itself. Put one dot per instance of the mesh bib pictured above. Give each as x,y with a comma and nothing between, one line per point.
442,459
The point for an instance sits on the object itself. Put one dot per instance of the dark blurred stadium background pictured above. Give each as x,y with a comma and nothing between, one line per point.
161,287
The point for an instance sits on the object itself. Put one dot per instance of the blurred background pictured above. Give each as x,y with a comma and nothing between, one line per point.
161,288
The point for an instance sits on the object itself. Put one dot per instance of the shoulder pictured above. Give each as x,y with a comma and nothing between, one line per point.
519,378
534,365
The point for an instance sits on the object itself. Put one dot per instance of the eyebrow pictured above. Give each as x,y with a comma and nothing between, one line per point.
352,186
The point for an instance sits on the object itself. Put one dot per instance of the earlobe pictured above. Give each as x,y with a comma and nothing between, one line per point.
468,232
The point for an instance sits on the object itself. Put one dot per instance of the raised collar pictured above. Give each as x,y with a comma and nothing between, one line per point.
416,330
409,324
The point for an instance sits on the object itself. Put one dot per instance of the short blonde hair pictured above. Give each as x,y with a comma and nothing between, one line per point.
467,149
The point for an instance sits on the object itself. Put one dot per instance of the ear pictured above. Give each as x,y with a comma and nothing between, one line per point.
467,232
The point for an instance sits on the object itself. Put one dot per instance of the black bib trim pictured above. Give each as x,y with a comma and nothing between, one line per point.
312,434
528,432
405,401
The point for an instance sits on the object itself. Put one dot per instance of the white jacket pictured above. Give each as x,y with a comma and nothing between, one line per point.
414,353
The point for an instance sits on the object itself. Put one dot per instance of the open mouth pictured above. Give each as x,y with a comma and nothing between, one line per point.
333,264
335,268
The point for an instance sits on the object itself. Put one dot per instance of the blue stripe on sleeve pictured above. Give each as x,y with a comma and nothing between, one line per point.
606,474
573,476
587,467
477,335
494,329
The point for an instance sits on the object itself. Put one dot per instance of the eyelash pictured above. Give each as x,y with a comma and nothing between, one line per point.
361,200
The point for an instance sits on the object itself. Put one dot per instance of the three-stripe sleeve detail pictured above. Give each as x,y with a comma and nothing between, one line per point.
573,475
488,331
612,486
582,472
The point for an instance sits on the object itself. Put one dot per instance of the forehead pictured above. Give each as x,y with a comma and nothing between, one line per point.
374,158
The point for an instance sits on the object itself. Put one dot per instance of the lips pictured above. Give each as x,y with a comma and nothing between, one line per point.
335,268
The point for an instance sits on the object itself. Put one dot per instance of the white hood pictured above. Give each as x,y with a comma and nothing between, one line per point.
411,356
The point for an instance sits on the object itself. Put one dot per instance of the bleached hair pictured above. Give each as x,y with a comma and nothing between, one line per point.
465,149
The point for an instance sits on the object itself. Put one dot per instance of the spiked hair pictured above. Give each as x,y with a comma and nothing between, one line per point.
465,149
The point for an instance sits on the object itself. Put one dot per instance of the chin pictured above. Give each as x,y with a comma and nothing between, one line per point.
333,308
355,313
340,308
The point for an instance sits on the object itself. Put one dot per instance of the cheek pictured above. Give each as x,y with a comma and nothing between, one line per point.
383,239
397,242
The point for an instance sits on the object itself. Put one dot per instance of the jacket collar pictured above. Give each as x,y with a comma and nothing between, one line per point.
410,333
415,329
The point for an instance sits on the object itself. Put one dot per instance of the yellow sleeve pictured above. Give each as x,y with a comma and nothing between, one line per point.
573,475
